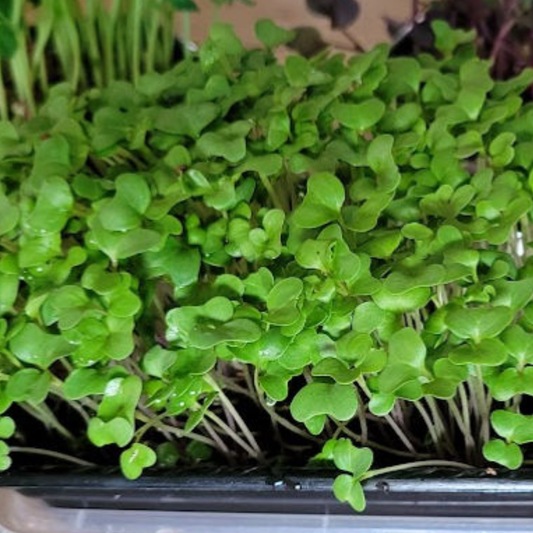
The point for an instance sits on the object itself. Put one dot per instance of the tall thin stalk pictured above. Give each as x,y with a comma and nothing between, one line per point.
19,63
107,29
417,464
88,26
464,428
121,49
430,427
67,42
50,453
167,51
4,109
185,31
45,24
238,419
135,33
151,40
483,407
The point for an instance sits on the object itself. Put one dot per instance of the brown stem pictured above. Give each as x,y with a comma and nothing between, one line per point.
415,8
500,39
356,44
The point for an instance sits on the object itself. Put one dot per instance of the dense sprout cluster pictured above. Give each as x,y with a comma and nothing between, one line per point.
86,43
340,242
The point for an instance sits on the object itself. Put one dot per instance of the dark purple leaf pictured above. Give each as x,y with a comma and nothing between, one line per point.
342,13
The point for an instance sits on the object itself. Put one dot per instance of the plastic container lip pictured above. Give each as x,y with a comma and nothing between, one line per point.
27,515
432,492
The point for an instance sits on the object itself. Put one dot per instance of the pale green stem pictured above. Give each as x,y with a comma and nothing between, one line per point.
517,400
42,413
456,414
364,387
166,428
151,47
8,355
214,435
121,43
57,391
147,426
429,424
484,410
9,246
361,415
252,384
238,419
4,109
93,47
465,410
467,435
417,464
232,434
395,427
45,22
107,24
440,427
68,43
43,78
279,419
400,434
357,438
472,397
50,453
168,37
136,34
273,195
186,32
20,65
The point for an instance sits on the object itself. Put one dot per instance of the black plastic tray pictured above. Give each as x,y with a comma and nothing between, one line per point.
421,493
